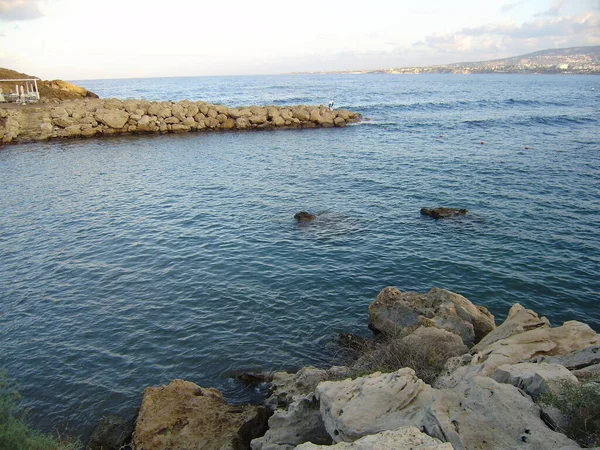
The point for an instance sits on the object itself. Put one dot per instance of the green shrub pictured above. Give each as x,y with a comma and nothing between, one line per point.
580,405
15,433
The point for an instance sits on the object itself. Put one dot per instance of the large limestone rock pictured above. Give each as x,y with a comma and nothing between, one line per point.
483,414
397,313
478,414
184,416
534,379
402,438
518,321
367,405
522,347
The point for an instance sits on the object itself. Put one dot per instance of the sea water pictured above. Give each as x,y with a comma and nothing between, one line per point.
126,262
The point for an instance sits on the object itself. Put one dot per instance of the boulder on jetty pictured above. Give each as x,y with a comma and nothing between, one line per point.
184,416
443,213
98,117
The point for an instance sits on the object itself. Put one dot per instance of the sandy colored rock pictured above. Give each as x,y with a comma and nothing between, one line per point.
113,118
518,321
402,438
367,405
523,347
397,313
184,416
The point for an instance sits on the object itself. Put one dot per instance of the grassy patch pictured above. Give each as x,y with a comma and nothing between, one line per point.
15,432
580,405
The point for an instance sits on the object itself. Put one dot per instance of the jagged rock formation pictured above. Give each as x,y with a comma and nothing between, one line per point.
99,117
483,401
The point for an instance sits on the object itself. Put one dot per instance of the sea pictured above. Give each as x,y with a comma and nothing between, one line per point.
127,262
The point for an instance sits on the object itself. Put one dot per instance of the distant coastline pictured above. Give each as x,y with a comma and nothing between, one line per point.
567,61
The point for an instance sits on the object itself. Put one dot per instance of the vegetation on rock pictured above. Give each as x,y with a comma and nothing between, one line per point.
580,405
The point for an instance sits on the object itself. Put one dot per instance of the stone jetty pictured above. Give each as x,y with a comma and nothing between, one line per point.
484,394
99,117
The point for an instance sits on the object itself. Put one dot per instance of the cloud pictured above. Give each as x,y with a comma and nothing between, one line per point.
499,40
510,6
11,10
554,10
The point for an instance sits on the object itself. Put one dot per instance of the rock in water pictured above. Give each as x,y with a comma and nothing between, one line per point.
304,216
184,416
442,213
397,313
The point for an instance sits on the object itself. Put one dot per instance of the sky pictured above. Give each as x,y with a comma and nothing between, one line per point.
84,39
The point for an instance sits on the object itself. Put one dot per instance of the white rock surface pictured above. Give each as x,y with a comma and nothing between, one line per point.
402,438
534,379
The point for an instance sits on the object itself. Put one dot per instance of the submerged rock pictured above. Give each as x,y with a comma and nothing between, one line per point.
184,416
442,213
304,216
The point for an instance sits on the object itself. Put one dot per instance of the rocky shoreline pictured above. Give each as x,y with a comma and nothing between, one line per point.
483,389
90,117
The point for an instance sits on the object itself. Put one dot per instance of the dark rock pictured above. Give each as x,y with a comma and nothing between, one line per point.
442,213
111,433
254,378
304,216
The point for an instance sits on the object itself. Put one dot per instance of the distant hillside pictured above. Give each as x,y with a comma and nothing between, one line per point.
576,57
573,60
51,90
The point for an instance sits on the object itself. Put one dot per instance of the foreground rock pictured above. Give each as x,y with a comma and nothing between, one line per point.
479,414
443,213
184,416
402,438
99,117
397,313
519,348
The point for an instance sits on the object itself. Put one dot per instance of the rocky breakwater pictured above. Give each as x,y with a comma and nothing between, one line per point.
482,391
100,117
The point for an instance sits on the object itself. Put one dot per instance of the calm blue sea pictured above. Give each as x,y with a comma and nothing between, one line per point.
127,262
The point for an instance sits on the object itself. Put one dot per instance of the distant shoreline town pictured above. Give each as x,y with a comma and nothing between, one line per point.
574,60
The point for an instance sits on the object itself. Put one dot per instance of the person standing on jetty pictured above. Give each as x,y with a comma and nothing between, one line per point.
330,105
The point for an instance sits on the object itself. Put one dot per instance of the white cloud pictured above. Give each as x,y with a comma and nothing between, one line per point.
11,10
